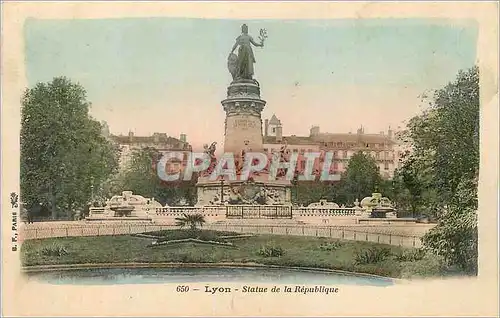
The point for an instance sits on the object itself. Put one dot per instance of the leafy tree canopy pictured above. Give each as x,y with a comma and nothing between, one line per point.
361,178
445,160
140,176
63,152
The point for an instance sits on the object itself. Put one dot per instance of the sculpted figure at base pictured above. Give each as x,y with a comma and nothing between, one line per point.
210,151
241,66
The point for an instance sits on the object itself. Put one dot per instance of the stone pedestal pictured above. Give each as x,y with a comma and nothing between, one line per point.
243,126
260,191
243,132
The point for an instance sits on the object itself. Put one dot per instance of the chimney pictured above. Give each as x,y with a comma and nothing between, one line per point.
279,134
266,127
130,136
183,138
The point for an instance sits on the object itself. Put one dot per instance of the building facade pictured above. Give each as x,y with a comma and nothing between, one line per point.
383,147
159,141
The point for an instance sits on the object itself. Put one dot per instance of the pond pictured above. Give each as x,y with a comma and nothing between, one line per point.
113,276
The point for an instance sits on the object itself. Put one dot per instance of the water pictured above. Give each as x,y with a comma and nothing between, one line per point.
114,276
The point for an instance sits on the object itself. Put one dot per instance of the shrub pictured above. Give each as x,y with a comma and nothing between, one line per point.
190,220
455,238
271,251
54,250
411,255
372,255
330,246
429,266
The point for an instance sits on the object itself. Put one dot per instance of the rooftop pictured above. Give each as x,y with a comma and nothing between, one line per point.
274,120
159,139
329,137
291,140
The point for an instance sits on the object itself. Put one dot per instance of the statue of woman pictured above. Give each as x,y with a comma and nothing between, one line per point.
244,62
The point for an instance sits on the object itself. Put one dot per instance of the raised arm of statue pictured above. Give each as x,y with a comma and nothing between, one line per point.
255,43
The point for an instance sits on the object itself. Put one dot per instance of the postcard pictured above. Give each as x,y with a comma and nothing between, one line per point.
249,159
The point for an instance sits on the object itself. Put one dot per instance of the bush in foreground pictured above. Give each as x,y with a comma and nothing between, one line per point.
430,265
410,255
330,246
372,255
271,251
54,250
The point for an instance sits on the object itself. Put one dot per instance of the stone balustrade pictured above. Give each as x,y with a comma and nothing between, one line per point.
211,213
221,212
320,211
326,215
214,213
97,210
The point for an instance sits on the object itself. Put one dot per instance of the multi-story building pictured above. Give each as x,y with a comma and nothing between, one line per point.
159,141
382,147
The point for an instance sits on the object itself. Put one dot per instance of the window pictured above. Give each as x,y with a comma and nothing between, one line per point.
377,155
335,166
266,150
303,164
274,130
335,154
345,154
386,166
386,155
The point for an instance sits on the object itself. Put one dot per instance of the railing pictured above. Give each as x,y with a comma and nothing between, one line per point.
166,211
34,231
97,210
258,211
318,211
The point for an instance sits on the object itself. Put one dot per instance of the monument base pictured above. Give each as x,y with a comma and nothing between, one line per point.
259,190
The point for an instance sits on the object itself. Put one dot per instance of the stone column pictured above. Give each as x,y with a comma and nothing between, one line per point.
243,126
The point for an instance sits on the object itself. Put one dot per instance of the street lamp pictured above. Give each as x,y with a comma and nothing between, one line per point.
295,182
222,190
92,190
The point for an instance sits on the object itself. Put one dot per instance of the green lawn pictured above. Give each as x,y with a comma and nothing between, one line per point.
297,251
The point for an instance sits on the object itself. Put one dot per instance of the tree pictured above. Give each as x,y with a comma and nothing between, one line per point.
455,236
191,220
63,153
140,177
360,179
307,192
445,160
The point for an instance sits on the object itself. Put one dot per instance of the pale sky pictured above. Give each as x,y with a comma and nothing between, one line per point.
169,74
